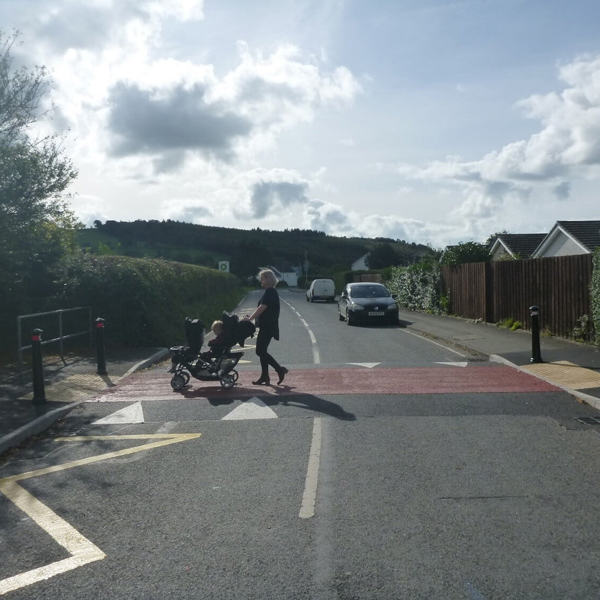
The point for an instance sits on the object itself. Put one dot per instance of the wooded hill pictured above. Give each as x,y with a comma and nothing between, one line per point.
245,249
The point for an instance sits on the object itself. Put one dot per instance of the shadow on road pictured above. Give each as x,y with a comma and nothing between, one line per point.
310,402
283,395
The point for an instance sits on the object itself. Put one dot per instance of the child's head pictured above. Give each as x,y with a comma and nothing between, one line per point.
217,327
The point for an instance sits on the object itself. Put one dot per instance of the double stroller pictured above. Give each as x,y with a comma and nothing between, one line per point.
188,361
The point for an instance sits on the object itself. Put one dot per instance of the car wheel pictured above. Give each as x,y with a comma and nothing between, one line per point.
349,318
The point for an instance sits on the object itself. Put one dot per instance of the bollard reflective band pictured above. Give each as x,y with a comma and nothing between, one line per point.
35,338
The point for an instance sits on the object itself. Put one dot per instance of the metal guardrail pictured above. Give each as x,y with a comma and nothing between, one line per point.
61,336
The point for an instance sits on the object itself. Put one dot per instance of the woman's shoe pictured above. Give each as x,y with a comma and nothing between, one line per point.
262,381
282,373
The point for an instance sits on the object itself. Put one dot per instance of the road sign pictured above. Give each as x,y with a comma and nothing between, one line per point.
224,266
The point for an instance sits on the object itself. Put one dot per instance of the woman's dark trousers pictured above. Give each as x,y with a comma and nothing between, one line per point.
263,339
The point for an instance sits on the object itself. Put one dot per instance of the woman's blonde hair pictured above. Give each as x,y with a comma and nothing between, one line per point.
269,276
216,324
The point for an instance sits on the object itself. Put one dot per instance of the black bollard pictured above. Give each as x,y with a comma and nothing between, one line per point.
536,356
100,358
39,394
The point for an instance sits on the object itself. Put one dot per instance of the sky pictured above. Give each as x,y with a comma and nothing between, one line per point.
429,121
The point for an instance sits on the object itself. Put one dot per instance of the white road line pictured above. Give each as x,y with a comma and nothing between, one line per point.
307,509
133,413
431,341
254,408
474,594
167,427
313,339
461,364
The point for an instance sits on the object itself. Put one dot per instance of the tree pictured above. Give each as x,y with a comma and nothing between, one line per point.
36,225
493,237
248,256
465,252
382,255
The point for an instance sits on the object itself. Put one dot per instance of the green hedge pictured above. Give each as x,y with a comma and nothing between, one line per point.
144,301
595,293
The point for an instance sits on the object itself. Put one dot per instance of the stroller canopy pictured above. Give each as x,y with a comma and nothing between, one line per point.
194,334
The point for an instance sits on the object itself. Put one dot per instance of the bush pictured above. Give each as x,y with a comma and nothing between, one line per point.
144,301
583,330
507,323
417,287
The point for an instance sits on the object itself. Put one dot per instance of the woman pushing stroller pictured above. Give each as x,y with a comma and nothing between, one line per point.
266,317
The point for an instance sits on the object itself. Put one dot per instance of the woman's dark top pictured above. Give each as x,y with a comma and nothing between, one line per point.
268,321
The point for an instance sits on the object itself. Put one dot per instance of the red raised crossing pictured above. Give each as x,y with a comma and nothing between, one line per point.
346,380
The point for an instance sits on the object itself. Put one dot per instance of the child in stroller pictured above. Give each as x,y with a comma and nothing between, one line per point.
219,363
217,344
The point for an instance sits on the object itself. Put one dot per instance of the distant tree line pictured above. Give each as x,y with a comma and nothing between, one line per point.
246,249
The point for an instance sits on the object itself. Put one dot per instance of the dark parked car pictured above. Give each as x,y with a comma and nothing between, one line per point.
367,302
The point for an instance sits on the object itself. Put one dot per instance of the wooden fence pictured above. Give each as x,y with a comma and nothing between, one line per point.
559,286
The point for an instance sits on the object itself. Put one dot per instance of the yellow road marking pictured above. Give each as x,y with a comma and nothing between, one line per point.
82,551
171,438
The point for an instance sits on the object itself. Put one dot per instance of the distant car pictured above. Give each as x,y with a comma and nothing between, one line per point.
367,302
321,289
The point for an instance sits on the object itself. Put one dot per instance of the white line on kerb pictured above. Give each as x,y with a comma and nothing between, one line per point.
307,509
313,339
431,341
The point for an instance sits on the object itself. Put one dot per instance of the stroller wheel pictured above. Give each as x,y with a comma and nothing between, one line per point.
178,381
228,380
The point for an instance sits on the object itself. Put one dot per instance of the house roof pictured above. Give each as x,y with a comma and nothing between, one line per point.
584,233
521,244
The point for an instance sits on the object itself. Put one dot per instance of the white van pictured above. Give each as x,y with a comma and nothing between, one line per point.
321,289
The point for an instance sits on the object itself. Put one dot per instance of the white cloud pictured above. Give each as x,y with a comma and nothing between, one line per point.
167,131
89,208
334,219
169,118
144,122
269,194
280,89
121,101
528,170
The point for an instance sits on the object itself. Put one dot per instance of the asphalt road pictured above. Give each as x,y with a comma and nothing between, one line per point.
386,466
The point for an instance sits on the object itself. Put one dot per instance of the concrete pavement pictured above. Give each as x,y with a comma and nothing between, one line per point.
66,386
571,366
